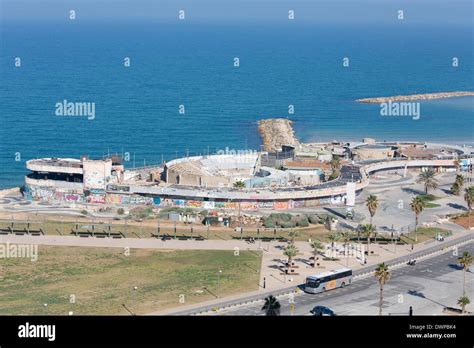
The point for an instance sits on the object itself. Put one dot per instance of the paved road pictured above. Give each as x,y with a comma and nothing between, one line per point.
428,286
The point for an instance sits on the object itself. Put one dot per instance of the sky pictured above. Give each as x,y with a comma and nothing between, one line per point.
454,12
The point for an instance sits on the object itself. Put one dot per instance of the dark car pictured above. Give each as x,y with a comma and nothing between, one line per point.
321,311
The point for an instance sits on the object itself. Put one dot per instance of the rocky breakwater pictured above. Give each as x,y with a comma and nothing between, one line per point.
276,132
426,96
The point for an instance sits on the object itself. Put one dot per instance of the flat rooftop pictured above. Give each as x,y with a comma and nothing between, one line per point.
307,164
57,162
423,153
378,147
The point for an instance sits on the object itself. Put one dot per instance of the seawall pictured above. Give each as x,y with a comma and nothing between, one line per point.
426,96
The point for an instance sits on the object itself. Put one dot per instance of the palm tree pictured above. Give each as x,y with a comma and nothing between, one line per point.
460,180
428,179
417,205
372,204
455,188
463,302
469,197
368,230
293,235
239,184
271,306
457,164
346,238
290,251
465,261
316,245
383,275
333,238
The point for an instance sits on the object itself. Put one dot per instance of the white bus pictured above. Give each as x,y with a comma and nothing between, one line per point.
337,278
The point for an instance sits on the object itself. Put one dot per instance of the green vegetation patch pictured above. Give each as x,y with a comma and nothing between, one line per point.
425,233
103,279
285,220
428,199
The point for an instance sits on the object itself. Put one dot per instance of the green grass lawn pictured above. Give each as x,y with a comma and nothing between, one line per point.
102,279
424,234
428,200
432,205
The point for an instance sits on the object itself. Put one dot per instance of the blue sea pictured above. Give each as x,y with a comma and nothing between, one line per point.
193,65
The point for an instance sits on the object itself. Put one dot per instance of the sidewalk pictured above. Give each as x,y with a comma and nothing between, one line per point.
132,243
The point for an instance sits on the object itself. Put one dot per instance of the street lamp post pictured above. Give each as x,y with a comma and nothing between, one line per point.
158,227
218,278
134,291
258,236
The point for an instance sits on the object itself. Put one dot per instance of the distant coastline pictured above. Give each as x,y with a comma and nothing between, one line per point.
425,96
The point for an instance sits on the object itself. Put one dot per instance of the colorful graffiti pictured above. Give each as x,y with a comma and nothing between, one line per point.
265,205
95,196
73,197
49,194
281,205
297,204
131,199
102,197
140,200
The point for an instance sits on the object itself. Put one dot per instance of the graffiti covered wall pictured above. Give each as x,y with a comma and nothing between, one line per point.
49,194
98,196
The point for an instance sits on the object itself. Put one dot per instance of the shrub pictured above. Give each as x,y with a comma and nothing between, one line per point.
314,219
120,211
303,222
288,224
269,223
280,216
323,218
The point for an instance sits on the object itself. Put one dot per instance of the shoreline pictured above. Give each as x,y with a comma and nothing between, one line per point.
425,96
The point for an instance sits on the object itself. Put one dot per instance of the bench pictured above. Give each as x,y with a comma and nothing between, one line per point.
117,235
